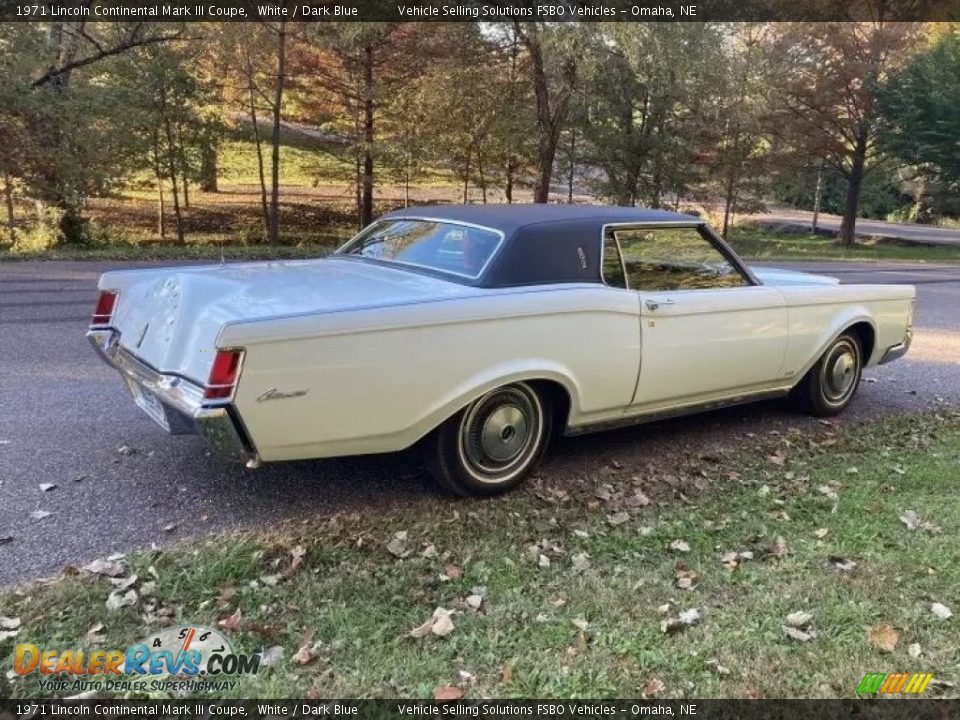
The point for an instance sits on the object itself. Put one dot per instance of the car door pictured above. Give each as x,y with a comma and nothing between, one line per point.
708,329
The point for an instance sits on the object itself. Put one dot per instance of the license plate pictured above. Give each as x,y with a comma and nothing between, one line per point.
150,404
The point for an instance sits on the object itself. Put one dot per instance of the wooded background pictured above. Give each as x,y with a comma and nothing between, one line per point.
858,118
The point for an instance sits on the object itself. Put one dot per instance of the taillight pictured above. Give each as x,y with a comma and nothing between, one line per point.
223,375
104,309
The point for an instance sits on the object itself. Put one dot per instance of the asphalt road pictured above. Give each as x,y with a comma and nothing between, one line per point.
907,232
64,417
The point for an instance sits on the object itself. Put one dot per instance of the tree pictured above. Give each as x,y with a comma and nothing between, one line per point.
920,124
826,79
552,54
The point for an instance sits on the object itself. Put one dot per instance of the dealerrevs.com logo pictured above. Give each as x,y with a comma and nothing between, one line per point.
188,658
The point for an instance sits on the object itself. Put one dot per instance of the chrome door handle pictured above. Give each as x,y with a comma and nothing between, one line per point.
655,304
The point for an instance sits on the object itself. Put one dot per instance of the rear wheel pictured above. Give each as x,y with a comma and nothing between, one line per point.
493,443
829,386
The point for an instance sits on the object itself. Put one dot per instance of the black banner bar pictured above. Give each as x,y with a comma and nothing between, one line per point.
892,709
480,10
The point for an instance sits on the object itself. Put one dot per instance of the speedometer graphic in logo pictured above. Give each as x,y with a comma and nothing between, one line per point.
198,649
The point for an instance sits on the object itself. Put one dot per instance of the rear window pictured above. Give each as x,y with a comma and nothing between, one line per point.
445,246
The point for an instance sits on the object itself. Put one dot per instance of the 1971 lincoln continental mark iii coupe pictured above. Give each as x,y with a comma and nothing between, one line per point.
478,331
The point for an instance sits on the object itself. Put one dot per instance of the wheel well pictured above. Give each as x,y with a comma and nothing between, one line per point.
559,398
867,336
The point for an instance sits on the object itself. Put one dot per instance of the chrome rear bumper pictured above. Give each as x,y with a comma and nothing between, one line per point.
899,350
185,410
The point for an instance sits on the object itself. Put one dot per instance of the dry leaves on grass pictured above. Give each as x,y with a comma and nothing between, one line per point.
398,545
118,599
941,611
231,622
105,568
438,624
685,619
451,572
798,626
653,686
447,692
915,523
883,637
779,548
681,546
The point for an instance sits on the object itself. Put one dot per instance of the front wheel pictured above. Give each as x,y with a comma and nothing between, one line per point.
493,443
829,386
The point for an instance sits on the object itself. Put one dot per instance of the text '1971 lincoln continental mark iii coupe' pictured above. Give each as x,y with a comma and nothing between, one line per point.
479,331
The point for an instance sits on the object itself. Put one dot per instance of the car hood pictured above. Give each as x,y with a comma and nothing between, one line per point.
171,317
779,277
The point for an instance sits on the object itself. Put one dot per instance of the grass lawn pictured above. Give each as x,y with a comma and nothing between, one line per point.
757,244
567,591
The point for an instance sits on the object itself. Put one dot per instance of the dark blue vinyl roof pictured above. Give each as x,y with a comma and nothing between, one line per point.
542,243
509,218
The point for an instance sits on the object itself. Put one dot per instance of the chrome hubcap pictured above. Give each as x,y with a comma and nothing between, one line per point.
840,371
504,433
500,433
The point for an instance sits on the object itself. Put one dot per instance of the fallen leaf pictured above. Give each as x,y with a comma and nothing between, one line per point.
797,634
580,624
799,619
779,548
439,624
714,666
9,623
842,564
271,656
580,561
231,622
827,491
170,527
689,617
429,551
297,553
543,561
47,487
126,450
117,599
777,459
914,650
821,533
121,584
913,522
40,514
474,601
6,539
941,611
680,546
883,637
93,635
305,655
447,692
398,545
653,686
452,572
107,568
618,518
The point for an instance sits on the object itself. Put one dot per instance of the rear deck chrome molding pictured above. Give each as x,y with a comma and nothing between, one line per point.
186,410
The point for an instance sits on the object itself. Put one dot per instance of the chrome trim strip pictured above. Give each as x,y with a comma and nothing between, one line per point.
899,350
672,412
339,251
187,411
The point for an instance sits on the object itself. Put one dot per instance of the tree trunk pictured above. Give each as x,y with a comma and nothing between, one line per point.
161,210
483,179
570,171
181,153
208,168
273,226
466,175
406,186
171,162
816,199
366,200
508,189
265,210
8,198
854,185
728,202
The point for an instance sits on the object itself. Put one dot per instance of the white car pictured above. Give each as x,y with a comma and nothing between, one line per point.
478,331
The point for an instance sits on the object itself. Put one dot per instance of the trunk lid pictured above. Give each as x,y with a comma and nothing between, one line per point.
171,317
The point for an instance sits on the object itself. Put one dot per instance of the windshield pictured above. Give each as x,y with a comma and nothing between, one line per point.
445,246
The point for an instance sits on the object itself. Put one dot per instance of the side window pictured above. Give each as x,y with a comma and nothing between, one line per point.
659,259
612,263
